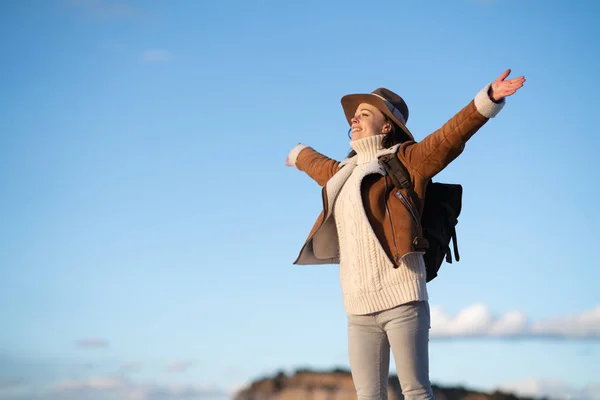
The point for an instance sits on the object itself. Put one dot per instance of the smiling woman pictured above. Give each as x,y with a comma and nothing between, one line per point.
368,230
369,121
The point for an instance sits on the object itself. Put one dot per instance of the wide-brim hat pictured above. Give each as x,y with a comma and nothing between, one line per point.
386,101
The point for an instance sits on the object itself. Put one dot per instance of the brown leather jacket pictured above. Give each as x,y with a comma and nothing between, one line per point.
397,229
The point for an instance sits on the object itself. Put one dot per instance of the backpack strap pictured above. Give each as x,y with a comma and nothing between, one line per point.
400,176
396,170
455,243
452,222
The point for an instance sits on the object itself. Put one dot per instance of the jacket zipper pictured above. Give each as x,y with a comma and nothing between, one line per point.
396,256
407,204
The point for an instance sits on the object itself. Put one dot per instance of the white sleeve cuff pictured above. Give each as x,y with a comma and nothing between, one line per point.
485,105
293,155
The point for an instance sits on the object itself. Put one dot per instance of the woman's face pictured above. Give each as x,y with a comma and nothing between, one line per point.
368,121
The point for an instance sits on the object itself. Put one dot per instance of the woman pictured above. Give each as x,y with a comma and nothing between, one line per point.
367,229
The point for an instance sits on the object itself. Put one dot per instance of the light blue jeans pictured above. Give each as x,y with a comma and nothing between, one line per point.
405,329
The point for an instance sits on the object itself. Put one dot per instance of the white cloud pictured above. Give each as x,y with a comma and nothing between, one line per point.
586,324
510,324
175,392
156,55
98,383
550,388
477,320
179,366
109,388
93,343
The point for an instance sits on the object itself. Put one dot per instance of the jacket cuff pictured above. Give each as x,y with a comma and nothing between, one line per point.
485,105
293,154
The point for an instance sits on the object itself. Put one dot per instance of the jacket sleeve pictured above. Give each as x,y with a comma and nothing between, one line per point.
319,167
440,148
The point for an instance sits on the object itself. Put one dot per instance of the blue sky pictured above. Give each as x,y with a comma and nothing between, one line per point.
148,224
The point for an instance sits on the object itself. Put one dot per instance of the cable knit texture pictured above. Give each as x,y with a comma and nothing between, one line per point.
369,281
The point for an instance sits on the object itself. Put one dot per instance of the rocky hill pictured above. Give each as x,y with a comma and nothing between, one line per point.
338,385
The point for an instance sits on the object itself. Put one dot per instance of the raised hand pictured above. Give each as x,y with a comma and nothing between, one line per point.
502,88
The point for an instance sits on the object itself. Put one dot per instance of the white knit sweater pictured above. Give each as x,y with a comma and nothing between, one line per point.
369,281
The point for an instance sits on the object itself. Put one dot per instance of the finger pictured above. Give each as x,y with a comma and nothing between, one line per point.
516,80
510,85
504,75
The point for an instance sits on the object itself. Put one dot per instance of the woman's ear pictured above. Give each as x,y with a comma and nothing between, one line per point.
387,128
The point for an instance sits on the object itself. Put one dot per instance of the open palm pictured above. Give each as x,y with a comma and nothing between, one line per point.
502,88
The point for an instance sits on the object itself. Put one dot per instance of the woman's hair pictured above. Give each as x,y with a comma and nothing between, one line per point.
395,136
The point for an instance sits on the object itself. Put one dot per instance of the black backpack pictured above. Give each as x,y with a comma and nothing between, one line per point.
442,206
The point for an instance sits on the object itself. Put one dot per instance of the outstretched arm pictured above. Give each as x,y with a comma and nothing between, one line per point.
319,167
440,148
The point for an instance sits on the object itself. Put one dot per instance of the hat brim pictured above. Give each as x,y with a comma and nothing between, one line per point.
350,103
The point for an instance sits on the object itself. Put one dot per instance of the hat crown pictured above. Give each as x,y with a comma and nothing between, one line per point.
391,97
